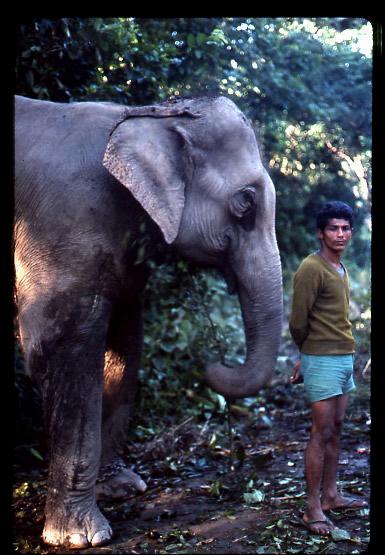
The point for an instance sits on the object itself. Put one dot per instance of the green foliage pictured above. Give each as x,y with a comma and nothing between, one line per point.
190,321
55,57
360,313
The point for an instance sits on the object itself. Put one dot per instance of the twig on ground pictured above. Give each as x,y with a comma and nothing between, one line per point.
366,368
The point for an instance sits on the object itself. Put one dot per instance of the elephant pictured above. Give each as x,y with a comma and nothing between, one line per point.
95,182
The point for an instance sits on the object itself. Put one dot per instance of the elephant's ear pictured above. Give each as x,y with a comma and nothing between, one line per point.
145,155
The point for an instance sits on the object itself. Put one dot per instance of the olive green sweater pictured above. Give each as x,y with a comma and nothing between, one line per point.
319,321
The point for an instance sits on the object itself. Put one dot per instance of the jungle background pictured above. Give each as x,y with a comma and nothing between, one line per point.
306,85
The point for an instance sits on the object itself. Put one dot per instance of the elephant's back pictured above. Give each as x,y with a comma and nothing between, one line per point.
64,196
62,135
59,149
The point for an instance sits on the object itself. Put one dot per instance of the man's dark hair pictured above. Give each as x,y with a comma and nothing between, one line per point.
334,209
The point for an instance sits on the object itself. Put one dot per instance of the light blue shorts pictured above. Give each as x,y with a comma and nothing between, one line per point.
326,376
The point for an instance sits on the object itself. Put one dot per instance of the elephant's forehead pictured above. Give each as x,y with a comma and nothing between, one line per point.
225,174
228,117
233,143
227,127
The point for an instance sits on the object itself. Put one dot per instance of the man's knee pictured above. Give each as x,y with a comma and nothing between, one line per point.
324,434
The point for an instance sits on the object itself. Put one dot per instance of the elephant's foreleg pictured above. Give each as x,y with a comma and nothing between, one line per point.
122,362
66,356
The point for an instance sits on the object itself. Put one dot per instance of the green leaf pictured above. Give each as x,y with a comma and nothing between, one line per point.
256,496
36,454
201,38
190,41
338,534
218,36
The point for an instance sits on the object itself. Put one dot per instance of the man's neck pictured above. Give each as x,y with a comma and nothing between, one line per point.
330,256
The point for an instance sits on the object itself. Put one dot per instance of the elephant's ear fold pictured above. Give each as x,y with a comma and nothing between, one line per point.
146,157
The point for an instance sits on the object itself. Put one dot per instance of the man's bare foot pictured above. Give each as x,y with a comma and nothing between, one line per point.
320,526
340,502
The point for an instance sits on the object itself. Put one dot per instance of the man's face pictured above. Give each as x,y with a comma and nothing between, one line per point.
336,234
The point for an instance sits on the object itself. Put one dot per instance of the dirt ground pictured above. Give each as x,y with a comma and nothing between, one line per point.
209,493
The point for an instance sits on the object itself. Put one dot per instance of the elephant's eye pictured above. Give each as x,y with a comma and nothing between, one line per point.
243,203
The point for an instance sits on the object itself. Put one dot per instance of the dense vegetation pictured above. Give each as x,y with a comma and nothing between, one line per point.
306,85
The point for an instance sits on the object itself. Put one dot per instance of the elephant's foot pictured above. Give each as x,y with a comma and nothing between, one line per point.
117,481
92,529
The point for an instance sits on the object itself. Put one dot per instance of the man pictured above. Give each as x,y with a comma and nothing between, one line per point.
319,324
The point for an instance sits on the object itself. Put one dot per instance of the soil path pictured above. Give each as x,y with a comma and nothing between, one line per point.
202,499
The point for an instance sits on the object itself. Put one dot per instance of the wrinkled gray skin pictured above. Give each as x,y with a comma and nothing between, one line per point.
90,177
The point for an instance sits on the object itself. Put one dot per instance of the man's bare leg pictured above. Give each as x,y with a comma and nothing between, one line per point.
330,498
329,480
323,415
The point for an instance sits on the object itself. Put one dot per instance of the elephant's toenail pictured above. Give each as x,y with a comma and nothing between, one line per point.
77,541
101,537
50,537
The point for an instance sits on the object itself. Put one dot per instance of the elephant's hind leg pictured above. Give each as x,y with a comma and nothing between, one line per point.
122,362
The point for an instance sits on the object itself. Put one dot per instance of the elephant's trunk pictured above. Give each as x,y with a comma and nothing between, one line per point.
260,294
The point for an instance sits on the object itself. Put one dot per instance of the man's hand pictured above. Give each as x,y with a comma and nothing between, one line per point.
296,376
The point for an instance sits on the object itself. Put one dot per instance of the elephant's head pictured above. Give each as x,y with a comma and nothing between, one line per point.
195,167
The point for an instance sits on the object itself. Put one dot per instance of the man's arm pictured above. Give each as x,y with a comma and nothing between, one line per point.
296,375
306,285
